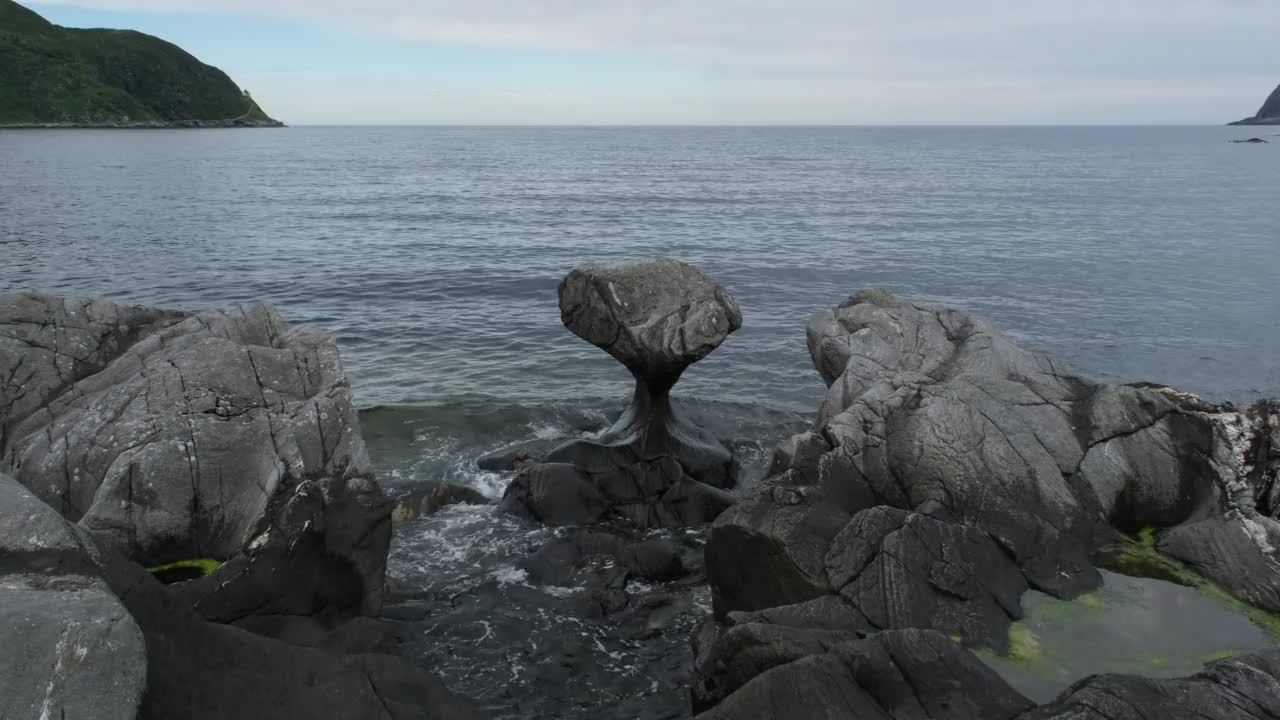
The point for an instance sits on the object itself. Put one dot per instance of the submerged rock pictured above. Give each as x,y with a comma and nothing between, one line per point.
653,467
948,471
432,496
225,435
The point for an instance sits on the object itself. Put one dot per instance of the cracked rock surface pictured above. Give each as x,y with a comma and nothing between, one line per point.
948,471
167,436
653,467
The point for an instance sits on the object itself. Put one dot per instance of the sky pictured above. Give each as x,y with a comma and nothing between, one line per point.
825,62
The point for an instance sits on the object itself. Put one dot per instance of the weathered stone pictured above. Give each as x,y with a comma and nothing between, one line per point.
895,675
68,648
225,435
1245,686
656,315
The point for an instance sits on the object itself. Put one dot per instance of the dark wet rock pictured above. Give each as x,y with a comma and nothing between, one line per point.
430,497
356,636
556,494
1238,688
519,456
744,651
107,640
68,647
653,467
949,471
226,435
897,675
656,560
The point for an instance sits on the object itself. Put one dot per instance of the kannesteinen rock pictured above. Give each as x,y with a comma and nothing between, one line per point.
653,467
223,435
1268,114
949,471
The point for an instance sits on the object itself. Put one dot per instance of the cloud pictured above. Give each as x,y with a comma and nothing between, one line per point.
856,52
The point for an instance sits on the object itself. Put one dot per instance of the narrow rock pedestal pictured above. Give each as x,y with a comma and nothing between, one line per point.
653,467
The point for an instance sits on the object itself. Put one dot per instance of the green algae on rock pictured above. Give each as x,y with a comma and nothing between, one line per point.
1133,625
184,570
1137,557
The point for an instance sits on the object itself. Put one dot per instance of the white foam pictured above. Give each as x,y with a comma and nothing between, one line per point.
511,575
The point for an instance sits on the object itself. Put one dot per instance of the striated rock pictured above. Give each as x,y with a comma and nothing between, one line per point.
68,648
948,471
653,467
896,675
1246,686
226,435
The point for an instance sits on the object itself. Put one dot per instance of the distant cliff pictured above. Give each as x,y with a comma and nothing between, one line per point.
1268,114
63,77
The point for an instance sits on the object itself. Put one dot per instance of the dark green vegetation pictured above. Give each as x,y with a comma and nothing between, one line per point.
50,75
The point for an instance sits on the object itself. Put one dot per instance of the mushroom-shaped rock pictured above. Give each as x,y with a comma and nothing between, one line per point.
656,316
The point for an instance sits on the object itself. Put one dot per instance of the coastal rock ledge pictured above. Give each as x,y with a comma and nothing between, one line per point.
948,472
223,450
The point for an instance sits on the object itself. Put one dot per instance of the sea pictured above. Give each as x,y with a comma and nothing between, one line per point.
433,254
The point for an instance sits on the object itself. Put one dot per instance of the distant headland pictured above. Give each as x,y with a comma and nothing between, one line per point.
53,76
1268,114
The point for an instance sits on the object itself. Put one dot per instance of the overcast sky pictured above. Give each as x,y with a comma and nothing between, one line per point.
725,61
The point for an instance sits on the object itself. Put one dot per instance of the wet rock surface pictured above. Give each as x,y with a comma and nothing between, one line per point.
653,467
948,472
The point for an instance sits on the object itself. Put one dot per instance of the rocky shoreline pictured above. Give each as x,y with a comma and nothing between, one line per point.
146,125
947,473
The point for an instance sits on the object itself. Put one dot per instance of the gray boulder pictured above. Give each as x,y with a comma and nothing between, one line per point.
68,647
949,470
653,467
225,435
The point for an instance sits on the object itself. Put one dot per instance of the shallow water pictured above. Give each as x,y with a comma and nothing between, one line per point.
433,254
1139,626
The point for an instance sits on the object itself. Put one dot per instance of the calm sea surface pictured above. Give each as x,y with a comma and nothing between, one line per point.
434,253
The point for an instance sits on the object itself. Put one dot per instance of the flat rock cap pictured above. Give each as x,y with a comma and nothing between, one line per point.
655,315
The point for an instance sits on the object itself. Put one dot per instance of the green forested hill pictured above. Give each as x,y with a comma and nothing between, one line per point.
55,75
